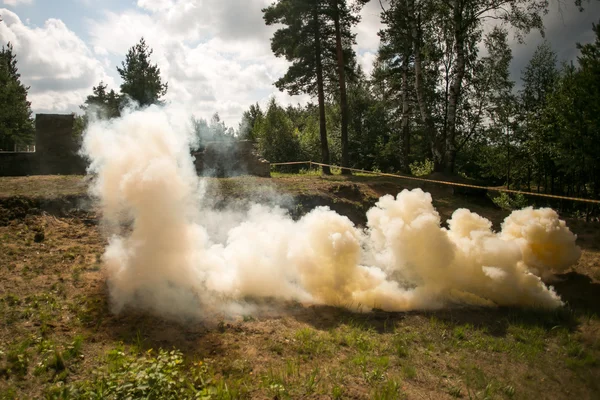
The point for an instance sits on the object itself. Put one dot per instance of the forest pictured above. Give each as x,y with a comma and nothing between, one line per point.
440,98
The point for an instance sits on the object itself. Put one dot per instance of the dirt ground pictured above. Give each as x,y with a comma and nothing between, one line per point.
57,330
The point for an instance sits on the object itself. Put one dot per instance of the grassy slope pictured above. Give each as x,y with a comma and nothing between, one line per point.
56,327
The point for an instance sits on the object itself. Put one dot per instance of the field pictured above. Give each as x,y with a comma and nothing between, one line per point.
59,339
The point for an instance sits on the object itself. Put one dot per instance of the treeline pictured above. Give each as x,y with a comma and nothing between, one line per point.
435,102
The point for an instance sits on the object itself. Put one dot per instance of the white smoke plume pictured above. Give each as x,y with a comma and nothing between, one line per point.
163,258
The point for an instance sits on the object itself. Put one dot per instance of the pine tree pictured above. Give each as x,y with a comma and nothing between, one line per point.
102,103
277,139
344,19
16,124
249,120
539,79
141,79
301,41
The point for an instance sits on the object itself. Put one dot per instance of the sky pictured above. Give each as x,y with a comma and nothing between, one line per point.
214,54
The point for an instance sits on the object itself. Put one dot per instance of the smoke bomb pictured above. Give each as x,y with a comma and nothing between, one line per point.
182,258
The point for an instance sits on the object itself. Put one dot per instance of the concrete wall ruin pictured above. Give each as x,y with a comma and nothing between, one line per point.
222,159
57,147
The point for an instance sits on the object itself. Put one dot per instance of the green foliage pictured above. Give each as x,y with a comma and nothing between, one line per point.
421,168
510,202
16,123
277,139
250,118
163,376
390,390
102,103
141,79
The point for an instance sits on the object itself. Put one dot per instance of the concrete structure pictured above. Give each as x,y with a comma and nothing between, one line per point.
222,159
56,150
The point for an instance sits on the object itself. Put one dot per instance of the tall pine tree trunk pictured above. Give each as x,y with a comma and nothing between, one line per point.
455,88
405,132
342,83
320,91
426,118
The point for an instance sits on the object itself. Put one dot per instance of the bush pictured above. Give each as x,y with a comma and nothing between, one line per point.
161,377
506,202
421,168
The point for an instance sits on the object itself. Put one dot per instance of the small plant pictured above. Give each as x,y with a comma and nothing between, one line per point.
18,359
11,300
455,391
421,168
509,391
276,348
161,377
74,348
400,347
337,392
76,274
460,332
409,371
312,380
310,342
373,376
390,390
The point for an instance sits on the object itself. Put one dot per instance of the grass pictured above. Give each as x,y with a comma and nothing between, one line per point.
59,340
46,186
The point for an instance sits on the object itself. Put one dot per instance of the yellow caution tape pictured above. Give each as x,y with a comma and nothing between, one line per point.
414,178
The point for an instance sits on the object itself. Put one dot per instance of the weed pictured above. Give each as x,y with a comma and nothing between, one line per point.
312,380
11,300
578,356
57,362
74,348
509,391
382,362
310,342
409,371
373,376
460,332
400,346
18,359
76,274
337,392
389,390
162,376
276,348
455,391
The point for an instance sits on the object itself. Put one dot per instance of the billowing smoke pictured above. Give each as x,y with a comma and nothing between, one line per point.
169,254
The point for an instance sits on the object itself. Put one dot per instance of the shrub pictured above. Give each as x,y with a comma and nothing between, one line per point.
421,168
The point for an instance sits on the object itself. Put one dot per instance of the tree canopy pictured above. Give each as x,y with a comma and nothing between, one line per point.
141,79
16,123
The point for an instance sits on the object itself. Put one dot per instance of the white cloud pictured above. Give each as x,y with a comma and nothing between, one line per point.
366,61
367,30
215,55
54,61
17,2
